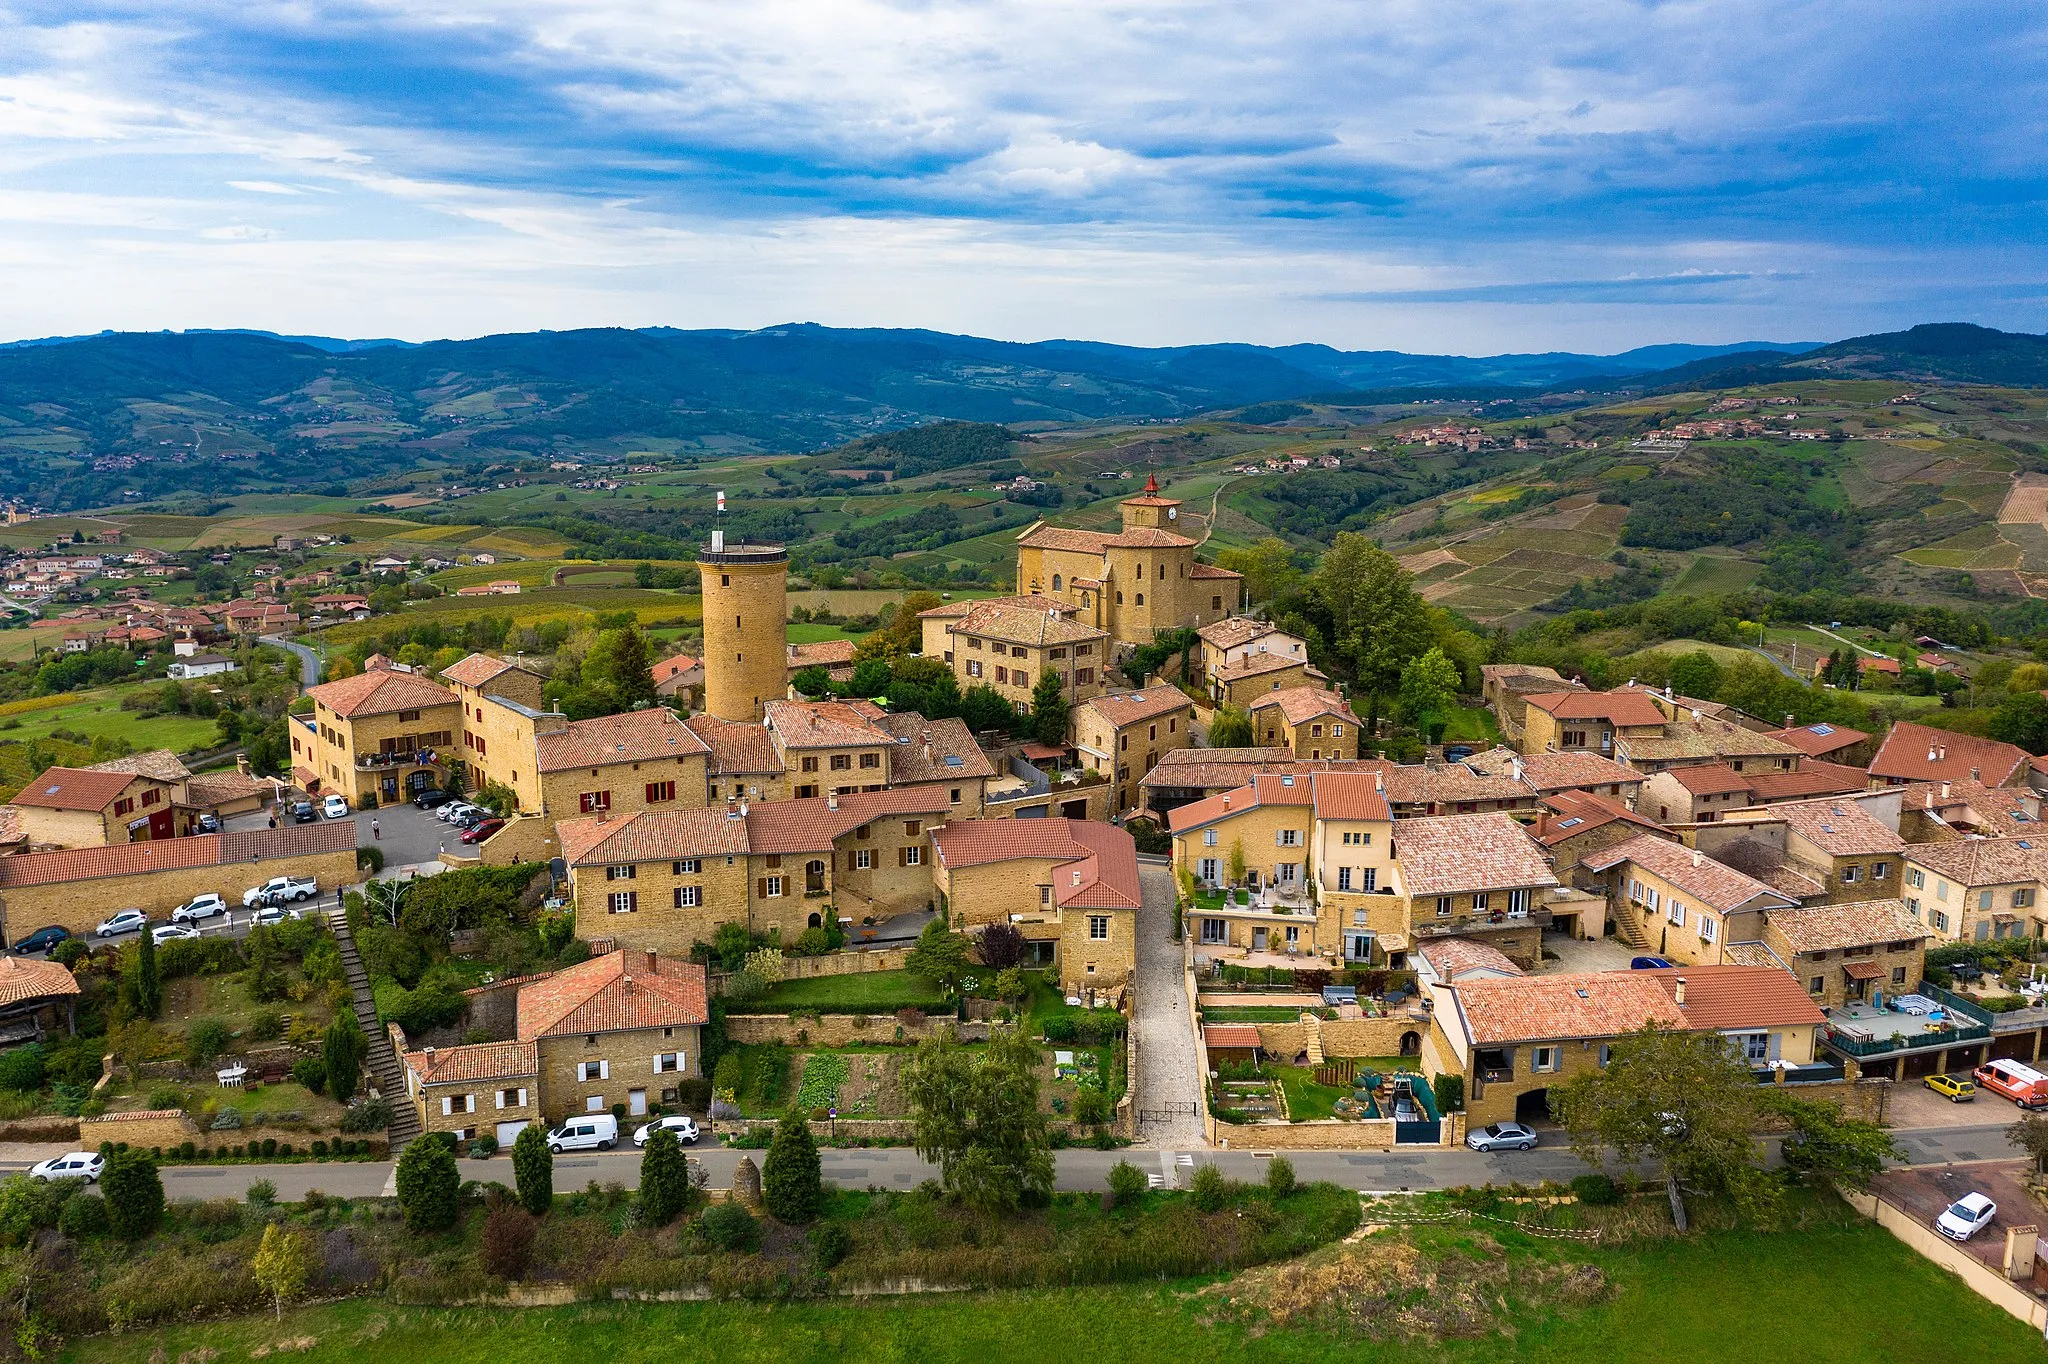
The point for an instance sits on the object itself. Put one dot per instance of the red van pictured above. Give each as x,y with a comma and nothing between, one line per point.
2022,1084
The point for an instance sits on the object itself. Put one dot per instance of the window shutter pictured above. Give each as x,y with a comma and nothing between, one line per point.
447,1105
604,1070
762,887
522,1098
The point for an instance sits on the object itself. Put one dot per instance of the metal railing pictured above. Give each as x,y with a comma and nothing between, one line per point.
1473,923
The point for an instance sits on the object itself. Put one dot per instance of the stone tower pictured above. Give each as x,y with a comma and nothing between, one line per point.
746,636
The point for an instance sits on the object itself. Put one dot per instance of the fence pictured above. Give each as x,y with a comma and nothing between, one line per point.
1984,1281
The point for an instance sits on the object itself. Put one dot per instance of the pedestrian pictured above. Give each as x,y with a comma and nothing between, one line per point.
376,832
273,819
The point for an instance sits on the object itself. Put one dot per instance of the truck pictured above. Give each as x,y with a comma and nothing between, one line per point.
278,889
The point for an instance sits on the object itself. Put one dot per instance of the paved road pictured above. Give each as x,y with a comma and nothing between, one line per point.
1169,1064
309,662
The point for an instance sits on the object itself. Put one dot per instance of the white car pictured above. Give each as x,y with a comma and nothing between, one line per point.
199,907
335,807
453,811
269,915
684,1126
1966,1217
85,1165
164,933
127,921
279,889
1501,1136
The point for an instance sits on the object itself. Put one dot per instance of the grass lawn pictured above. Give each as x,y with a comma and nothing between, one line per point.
1842,1293
1251,1013
98,712
884,991
803,632
1471,724
1306,1099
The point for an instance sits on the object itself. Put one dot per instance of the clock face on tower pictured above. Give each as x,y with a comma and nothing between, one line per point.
1173,513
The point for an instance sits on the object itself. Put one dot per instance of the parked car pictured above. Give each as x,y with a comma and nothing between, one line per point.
1955,1088
267,915
209,823
470,818
127,921
304,813
431,800
199,907
1966,1217
279,889
2022,1084
1501,1136
334,807
588,1132
164,933
85,1165
43,939
683,1125
1647,964
481,830
448,814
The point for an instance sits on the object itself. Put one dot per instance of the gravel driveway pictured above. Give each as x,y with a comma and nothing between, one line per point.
1169,1071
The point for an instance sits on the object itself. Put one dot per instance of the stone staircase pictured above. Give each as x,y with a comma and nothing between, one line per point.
1314,1045
385,1072
1628,923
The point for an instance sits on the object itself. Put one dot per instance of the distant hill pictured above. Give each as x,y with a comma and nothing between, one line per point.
1933,352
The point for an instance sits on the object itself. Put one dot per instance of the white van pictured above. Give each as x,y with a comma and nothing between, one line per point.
590,1132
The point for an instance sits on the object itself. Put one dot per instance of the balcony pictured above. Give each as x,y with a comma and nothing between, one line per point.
411,757
1496,921
1946,1020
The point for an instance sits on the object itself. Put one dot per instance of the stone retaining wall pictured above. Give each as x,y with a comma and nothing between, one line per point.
140,1131
844,1030
1345,1037
1371,1134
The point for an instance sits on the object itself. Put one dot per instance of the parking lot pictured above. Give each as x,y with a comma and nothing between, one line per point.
407,836
1924,1191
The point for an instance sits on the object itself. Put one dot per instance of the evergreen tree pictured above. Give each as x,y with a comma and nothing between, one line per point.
533,1169
1049,709
428,1183
664,1180
149,985
134,1194
792,1180
342,1050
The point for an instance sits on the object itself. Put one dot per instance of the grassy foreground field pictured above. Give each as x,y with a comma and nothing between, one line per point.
1844,1292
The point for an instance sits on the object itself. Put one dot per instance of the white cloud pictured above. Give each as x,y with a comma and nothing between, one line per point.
264,187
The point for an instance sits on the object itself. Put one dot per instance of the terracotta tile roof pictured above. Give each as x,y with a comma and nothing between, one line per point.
23,979
1683,739
1920,753
1059,537
1555,771
1349,795
475,1062
159,764
1233,631
1578,812
736,749
1865,923
675,665
1029,601
1453,959
10,826
1015,624
1718,998
1617,708
1099,869
1265,788
1298,705
1814,778
1122,708
1258,665
1206,571
1700,878
1210,769
1966,861
218,788
1710,779
633,736
1562,1007
171,854
652,836
1819,740
825,724
74,788
612,993
949,739
1753,954
1147,537
379,693
1234,1036
476,670
789,826
1840,828
1451,784
828,654
1456,854
1997,811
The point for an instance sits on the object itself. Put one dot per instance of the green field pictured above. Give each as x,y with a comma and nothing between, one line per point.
1842,1292
883,990
99,712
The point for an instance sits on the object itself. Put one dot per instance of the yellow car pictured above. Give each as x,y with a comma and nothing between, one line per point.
1958,1089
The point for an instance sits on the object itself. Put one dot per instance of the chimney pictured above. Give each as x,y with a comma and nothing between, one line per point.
1695,713
627,981
832,801
430,1056
1930,752
1697,858
1944,790
732,808
1226,800
242,764
1680,991
1977,774
1542,823
1515,768
1788,722
1943,752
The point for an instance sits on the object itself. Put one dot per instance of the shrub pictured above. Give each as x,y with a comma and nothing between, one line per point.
270,1146
187,1150
1091,1105
1280,1176
166,1096
508,1241
1596,1190
262,1193
743,987
792,1183
533,1169
370,859
266,1025
428,1184
664,1180
729,1227
319,1148
1209,1190
134,1195
830,1243
342,1050
1126,1183
1449,1093
205,1040
69,953
483,1147
1060,1028
311,1072
83,1215
371,1115
21,1070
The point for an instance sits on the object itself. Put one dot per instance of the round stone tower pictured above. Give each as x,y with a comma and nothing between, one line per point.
746,610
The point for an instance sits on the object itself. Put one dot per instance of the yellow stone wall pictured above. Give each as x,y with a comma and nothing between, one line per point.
79,905
746,613
631,1056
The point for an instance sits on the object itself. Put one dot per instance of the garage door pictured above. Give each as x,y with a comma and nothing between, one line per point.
508,1132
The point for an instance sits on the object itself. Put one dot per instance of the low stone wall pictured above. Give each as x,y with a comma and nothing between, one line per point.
1344,1037
853,962
1371,1134
843,1030
844,1129
139,1131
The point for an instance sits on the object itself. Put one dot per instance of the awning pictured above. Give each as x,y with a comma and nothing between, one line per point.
1393,942
1035,751
1862,970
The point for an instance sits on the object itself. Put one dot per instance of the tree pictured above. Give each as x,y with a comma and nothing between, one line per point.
1232,728
1696,674
533,1170
939,955
2030,1134
149,985
134,1194
1268,568
983,707
1049,709
792,1179
342,1050
978,1119
664,1179
1685,1099
1237,866
1378,622
283,1264
905,627
812,681
1001,946
1822,1139
2022,720
617,674
1429,692
428,1183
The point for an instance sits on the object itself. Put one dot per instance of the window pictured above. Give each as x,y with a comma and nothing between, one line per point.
586,1071
1479,903
1208,838
594,802
1849,875
511,1098
1518,902
1357,840
1443,906
910,857
689,897
1344,878
1709,928
1372,875
771,887
1916,878
1098,927
974,644
864,859
842,762
1543,1060
912,828
122,807
870,760
151,797
668,1063
1290,838
1208,870
1939,920
2023,899
625,873
457,1103
1215,930
623,901
594,1104
974,667
814,877
1002,673
1756,1046
1880,870
689,866
1913,906
1337,731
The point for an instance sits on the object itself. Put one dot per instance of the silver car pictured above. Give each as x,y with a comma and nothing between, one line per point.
1501,1136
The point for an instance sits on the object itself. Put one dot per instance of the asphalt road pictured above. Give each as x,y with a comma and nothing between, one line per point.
309,662
1078,1170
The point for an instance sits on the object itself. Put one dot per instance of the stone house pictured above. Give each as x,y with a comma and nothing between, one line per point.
1123,734
1473,876
1070,885
1680,903
1587,721
1917,753
74,807
1976,889
1842,953
1311,722
385,732
1225,644
1007,643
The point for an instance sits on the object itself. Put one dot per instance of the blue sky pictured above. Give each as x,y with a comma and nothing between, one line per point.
1452,175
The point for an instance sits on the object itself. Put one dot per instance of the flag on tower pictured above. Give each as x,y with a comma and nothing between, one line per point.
721,499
